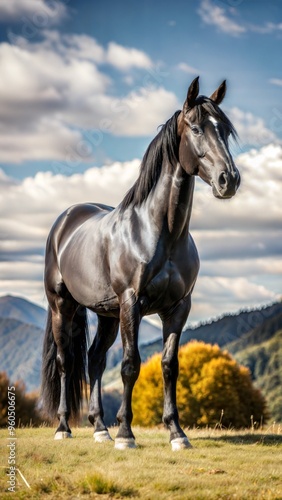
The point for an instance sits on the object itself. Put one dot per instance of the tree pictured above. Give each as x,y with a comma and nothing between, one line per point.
212,387
25,404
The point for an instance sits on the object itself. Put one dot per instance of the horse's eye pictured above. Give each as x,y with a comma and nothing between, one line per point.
195,130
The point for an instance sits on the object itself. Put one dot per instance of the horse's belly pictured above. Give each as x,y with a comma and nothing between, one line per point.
89,284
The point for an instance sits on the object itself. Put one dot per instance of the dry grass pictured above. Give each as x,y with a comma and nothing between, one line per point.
222,465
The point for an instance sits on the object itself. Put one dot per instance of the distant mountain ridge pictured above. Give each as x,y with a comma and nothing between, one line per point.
21,309
225,330
20,351
253,337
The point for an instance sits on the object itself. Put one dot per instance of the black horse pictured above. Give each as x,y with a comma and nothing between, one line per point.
127,262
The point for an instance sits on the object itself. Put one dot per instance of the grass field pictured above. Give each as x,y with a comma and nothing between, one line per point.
221,465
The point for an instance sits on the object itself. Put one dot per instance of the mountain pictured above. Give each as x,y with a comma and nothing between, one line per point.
22,310
261,333
261,351
264,361
232,327
227,329
20,351
253,337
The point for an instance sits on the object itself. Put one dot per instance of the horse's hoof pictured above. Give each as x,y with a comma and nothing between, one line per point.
62,435
124,443
101,436
180,444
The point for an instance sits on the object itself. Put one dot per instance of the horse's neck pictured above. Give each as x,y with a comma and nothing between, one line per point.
172,200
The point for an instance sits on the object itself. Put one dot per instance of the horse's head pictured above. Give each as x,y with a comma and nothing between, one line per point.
204,131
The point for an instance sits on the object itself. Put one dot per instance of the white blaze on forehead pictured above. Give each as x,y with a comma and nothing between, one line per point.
213,120
228,155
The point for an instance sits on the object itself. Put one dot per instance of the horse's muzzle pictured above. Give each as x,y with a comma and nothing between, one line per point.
226,184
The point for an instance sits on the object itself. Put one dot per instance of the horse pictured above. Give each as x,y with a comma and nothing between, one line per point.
130,261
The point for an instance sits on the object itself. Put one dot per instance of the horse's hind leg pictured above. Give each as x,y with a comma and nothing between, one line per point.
63,310
106,334
172,328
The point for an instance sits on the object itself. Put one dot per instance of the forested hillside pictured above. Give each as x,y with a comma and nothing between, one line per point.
253,337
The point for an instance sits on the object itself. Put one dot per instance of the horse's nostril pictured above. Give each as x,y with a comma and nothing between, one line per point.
222,179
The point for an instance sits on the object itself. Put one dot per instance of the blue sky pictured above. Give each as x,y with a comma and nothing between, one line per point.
85,85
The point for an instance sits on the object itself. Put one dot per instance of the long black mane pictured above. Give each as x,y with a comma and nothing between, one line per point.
164,145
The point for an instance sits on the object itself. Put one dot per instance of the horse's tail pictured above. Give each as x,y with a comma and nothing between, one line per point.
77,348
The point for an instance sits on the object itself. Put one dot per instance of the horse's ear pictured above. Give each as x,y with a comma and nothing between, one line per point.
219,93
192,95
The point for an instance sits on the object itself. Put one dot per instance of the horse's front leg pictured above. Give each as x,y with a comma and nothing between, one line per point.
129,325
173,323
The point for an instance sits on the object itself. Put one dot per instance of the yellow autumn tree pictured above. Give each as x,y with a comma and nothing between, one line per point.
147,401
212,387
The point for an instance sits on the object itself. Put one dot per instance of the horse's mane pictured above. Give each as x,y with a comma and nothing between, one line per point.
165,144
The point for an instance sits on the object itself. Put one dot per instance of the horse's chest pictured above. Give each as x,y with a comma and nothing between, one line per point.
168,287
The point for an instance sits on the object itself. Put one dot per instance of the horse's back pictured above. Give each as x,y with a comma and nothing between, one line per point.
73,218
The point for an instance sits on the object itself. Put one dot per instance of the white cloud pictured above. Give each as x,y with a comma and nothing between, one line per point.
51,139
127,57
190,70
217,16
251,267
276,81
53,92
251,129
240,290
266,29
80,46
214,296
224,19
138,111
30,206
37,12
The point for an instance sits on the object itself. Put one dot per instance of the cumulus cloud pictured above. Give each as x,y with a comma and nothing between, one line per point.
251,129
239,241
138,111
276,81
37,12
54,90
226,20
215,295
126,57
215,15
186,68
50,139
